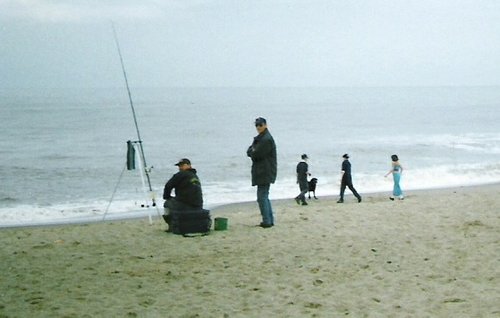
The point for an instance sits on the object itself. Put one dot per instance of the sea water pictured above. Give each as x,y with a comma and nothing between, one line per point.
64,150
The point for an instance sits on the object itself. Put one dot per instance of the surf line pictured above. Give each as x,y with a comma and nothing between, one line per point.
132,146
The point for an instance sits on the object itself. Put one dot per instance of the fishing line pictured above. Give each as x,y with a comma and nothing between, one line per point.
139,141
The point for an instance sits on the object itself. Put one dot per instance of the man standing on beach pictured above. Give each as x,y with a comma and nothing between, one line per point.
346,180
264,169
302,173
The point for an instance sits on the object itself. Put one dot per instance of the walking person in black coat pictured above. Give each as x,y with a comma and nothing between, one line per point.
302,173
346,180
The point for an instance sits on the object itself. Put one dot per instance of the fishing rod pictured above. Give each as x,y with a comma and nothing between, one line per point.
139,139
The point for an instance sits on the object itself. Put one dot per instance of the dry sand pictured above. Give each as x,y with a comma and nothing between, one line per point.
435,254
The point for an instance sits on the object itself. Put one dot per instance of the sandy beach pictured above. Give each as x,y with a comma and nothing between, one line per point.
435,254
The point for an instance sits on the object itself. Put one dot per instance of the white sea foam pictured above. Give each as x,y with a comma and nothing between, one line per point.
224,193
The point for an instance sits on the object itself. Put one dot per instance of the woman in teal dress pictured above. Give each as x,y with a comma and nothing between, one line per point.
397,171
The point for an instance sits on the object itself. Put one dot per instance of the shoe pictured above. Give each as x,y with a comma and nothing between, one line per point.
265,225
401,198
297,200
359,200
340,201
304,203
391,198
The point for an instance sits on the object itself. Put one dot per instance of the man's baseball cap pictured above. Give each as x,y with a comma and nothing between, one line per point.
183,161
260,121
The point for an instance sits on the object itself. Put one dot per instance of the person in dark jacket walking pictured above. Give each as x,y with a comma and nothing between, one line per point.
264,169
302,173
187,186
346,180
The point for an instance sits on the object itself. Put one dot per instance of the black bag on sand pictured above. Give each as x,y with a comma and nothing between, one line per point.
189,222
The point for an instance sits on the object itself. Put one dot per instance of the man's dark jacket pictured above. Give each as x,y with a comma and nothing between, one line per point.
187,188
346,167
302,168
264,162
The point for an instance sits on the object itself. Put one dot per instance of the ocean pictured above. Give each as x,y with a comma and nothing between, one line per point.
63,150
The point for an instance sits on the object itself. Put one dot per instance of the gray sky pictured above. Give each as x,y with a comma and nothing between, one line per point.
52,43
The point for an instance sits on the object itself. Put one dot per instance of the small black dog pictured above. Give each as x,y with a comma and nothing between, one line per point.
312,187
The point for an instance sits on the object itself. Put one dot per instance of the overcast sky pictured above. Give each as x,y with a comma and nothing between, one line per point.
56,43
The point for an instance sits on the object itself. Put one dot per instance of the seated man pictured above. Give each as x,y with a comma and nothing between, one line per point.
188,195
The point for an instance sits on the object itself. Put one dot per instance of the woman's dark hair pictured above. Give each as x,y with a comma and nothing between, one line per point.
394,158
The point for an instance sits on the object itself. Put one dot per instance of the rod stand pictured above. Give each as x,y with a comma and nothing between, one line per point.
144,172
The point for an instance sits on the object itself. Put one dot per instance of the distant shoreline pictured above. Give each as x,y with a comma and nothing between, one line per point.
222,207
